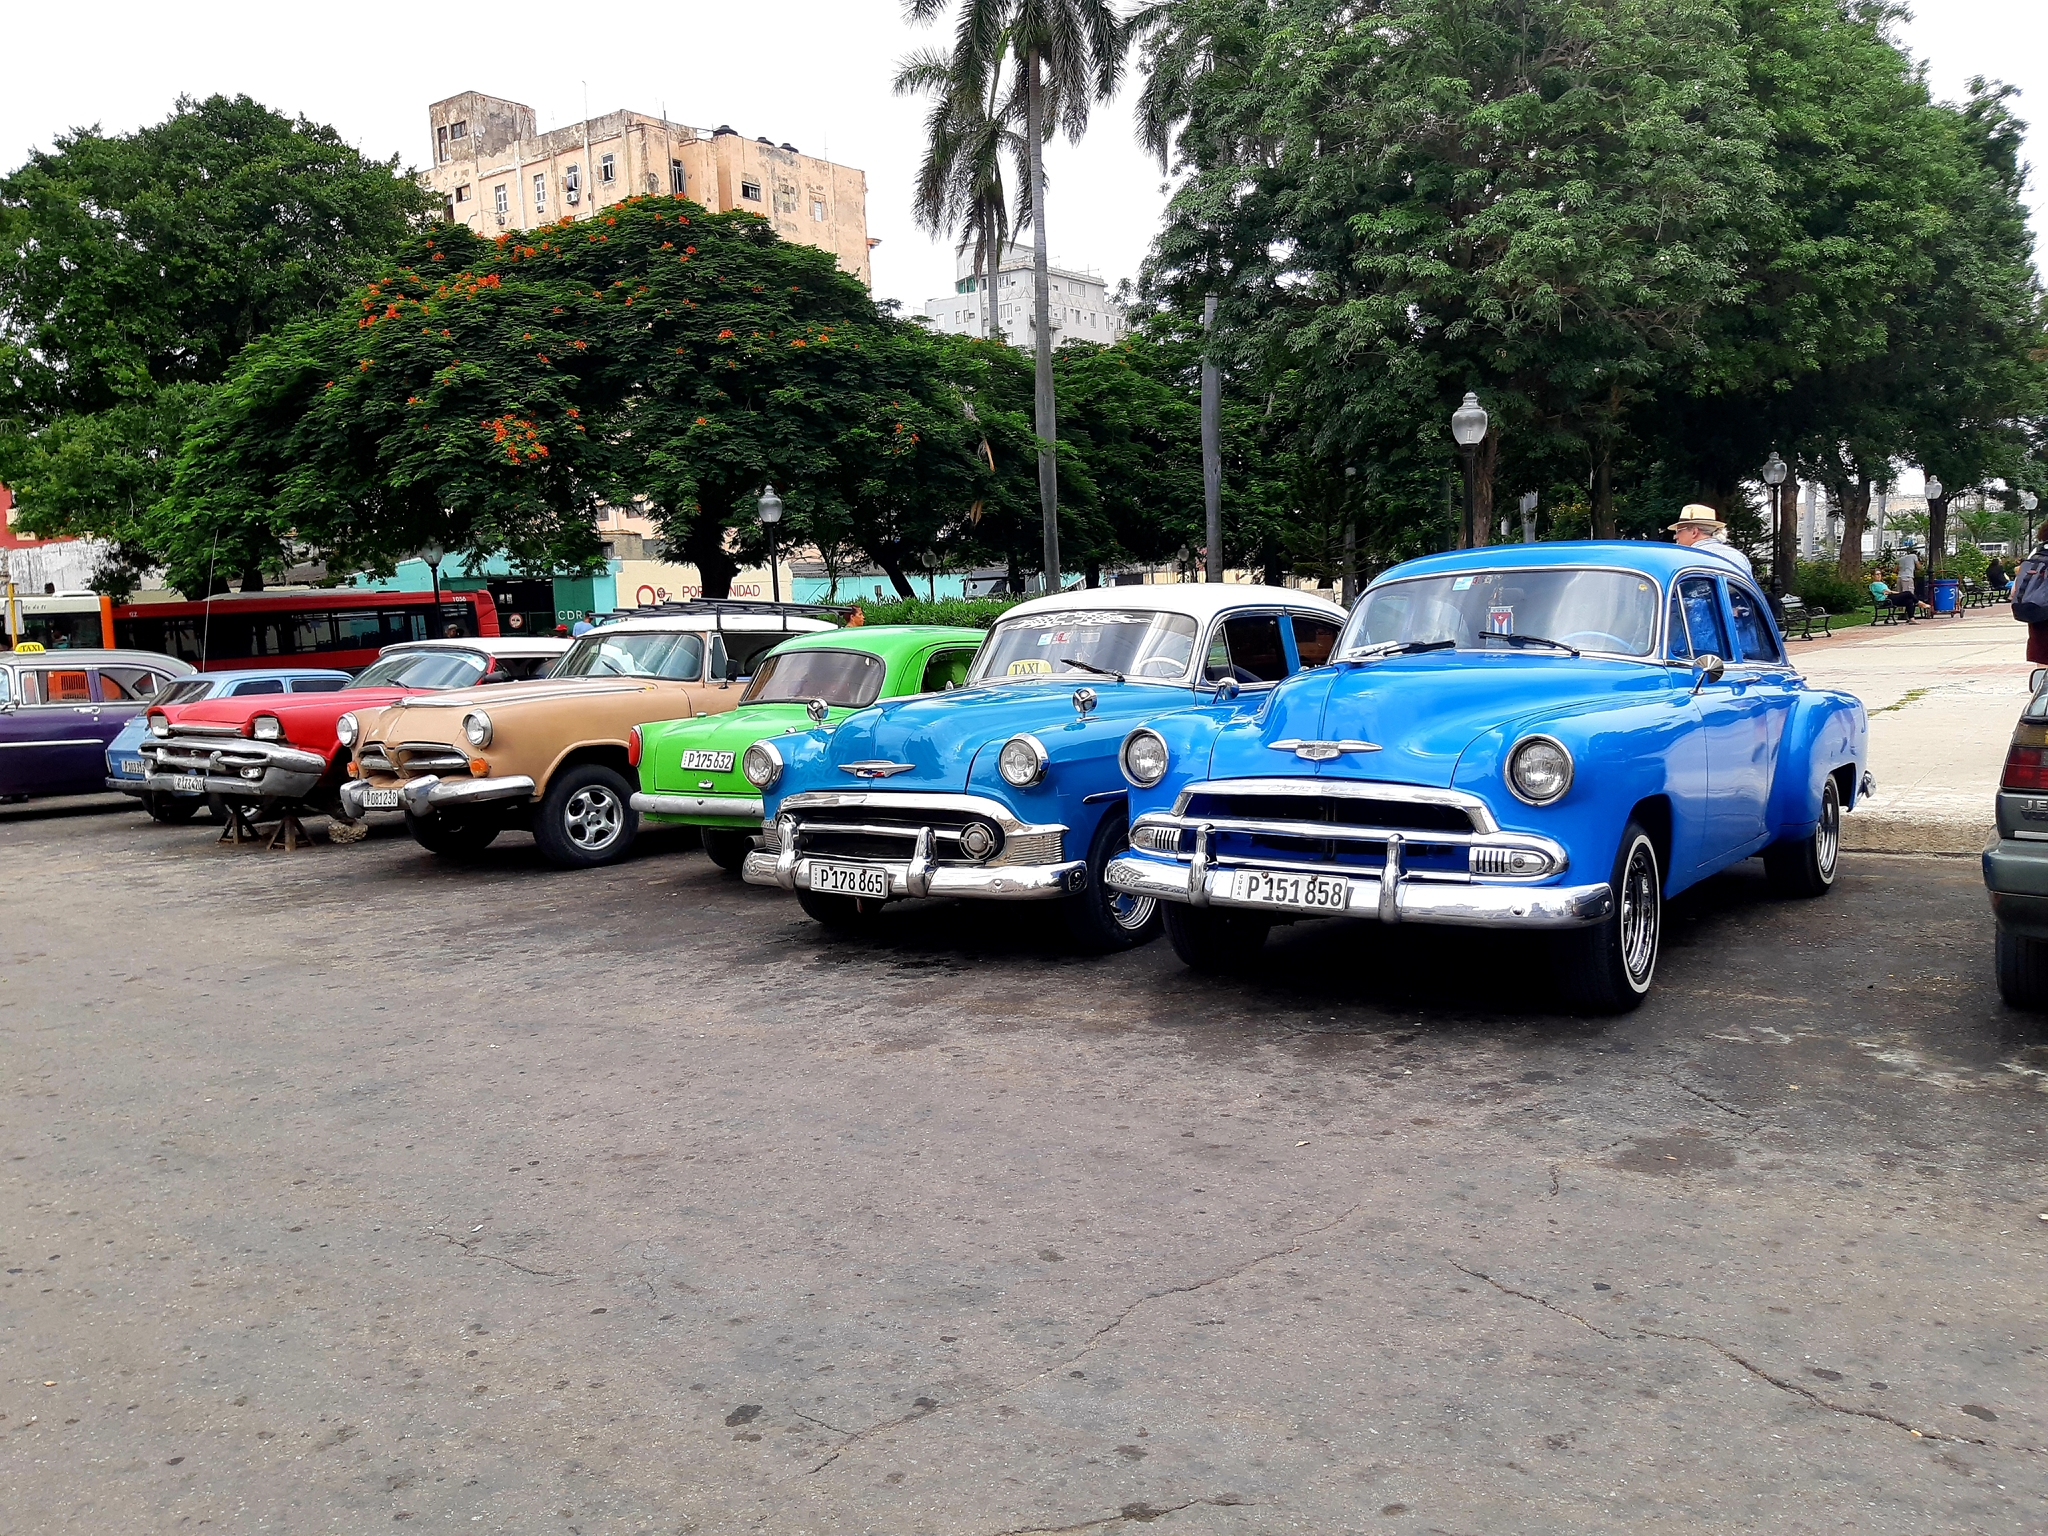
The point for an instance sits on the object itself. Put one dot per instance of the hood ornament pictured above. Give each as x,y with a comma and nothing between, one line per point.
1321,751
875,768
817,710
1084,702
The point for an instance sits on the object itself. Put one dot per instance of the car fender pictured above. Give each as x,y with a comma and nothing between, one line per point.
1190,736
806,765
1828,731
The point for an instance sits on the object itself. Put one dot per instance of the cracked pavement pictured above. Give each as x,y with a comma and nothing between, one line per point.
349,1187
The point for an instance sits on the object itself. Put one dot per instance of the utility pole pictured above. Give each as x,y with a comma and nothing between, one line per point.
1212,452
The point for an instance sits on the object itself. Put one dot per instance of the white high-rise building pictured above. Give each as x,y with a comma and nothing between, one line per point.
1082,309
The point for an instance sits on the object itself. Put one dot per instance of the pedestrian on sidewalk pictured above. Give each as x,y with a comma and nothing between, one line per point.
1910,581
2030,597
1700,527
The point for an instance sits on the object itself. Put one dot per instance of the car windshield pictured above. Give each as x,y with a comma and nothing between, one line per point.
422,669
1134,644
185,690
843,679
669,654
1613,611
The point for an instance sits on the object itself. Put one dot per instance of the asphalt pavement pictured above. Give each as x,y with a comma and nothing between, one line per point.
350,1187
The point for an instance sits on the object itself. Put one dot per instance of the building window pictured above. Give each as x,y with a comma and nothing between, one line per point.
501,198
540,191
457,131
818,209
751,191
678,183
572,185
441,143
607,169
462,194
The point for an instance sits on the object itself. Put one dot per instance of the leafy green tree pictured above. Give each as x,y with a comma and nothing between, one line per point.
133,270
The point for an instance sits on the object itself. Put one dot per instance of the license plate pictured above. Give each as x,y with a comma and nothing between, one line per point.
188,784
849,879
708,762
132,766
380,799
1317,893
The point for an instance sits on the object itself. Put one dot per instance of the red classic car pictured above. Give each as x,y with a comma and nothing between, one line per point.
287,754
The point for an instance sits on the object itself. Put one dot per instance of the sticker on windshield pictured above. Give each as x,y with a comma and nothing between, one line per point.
1500,621
1029,666
1461,584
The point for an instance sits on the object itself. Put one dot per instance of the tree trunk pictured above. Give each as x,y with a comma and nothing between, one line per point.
252,578
1854,501
992,280
704,547
1937,532
1091,575
1347,592
1016,575
1041,308
892,563
1603,489
1785,539
1484,462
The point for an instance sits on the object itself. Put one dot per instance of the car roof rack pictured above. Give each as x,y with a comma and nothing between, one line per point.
719,607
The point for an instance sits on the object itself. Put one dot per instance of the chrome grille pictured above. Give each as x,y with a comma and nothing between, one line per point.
872,833
418,757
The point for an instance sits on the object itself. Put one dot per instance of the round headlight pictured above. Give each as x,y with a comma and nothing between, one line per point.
1539,769
267,728
762,765
159,726
1022,761
346,730
476,728
1143,758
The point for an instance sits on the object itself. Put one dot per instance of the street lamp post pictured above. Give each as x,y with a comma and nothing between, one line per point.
769,508
1935,538
1775,471
2028,502
1528,517
1468,431
433,554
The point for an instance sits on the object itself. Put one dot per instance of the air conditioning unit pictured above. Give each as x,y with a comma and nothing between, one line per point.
501,221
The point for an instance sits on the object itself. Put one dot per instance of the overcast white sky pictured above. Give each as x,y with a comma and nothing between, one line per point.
814,73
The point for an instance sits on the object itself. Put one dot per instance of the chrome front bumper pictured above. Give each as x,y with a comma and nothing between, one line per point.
430,795
128,786
1405,901
237,767
878,813
724,807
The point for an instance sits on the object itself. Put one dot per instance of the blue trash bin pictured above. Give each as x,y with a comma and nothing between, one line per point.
1946,590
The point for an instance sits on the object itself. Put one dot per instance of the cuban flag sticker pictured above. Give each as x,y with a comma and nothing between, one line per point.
1500,621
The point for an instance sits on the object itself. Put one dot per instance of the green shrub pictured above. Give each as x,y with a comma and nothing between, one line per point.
966,612
1820,585
1968,562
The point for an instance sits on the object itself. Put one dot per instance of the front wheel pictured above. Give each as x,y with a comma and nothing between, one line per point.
171,810
1215,943
1806,866
586,818
2022,970
1102,919
1608,968
448,837
842,914
728,849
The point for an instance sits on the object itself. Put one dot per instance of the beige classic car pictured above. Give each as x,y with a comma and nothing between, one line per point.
553,755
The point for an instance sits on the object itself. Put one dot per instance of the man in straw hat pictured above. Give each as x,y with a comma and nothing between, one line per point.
1700,525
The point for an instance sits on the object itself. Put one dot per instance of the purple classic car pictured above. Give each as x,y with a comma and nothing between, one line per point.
59,709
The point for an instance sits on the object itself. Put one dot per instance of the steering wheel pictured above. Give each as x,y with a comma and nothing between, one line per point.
1597,640
1161,666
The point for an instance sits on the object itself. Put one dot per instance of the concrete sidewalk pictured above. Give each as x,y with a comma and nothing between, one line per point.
1943,695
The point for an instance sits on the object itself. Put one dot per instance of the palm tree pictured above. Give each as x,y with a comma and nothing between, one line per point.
961,185
1047,62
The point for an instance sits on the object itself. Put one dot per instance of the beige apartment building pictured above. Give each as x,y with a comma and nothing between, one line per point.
495,171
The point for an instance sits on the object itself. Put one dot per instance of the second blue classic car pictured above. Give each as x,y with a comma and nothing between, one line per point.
1537,736
1008,789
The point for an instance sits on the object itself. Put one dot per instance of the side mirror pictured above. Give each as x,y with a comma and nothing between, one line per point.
1707,669
2039,679
1226,690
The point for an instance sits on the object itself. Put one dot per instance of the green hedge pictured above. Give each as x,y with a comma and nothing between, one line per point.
1820,585
966,612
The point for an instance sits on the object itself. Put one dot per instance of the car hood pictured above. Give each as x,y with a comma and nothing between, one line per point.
1422,712
329,706
539,690
938,734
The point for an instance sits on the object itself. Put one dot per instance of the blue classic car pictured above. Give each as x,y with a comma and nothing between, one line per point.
1537,736
1007,789
125,767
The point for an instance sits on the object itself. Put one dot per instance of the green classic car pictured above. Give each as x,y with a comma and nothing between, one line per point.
691,771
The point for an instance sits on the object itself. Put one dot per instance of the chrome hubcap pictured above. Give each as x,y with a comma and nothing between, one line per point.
1639,915
1827,837
593,818
1129,912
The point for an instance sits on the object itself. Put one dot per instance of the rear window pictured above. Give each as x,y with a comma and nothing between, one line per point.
256,685
186,690
422,669
319,684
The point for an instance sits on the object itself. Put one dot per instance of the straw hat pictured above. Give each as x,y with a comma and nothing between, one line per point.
1698,515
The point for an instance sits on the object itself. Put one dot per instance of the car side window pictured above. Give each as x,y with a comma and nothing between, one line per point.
1703,617
55,687
1752,629
1314,639
1677,644
1250,650
945,669
318,684
6,686
259,685
128,685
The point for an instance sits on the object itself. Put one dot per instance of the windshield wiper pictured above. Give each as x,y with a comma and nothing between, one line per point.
1089,666
1512,639
1399,648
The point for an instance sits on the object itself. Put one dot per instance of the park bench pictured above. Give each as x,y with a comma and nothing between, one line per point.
1800,619
1887,612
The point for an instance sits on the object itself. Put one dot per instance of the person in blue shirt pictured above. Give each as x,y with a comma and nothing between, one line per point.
582,626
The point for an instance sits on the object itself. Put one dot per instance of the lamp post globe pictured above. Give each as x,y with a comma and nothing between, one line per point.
2029,501
1468,431
1468,423
1934,489
769,509
1775,470
434,554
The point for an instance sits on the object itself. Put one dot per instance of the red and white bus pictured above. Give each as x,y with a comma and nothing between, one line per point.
335,627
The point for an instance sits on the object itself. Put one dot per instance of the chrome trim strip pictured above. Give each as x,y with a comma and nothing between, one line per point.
1347,789
698,805
67,741
912,801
